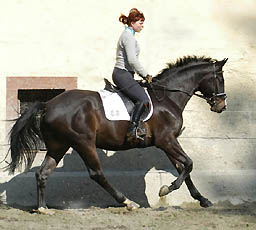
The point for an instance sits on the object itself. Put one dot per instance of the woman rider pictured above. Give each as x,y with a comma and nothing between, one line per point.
127,64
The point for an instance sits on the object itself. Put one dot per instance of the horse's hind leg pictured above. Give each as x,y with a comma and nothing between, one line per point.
204,202
48,165
90,157
50,162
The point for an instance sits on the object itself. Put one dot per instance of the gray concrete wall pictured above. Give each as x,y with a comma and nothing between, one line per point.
78,38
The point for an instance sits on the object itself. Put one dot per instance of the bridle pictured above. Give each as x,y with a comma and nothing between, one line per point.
210,100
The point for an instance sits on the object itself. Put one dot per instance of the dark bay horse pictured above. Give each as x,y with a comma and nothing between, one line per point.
76,119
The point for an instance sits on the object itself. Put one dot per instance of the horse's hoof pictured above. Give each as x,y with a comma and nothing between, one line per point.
131,205
164,190
44,211
206,203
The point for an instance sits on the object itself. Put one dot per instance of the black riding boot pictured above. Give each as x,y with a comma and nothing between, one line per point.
133,132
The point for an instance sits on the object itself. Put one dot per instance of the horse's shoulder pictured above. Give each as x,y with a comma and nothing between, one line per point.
170,113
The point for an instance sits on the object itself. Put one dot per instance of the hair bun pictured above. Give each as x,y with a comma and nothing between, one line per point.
134,15
123,19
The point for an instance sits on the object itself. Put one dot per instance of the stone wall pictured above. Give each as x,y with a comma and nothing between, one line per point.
78,38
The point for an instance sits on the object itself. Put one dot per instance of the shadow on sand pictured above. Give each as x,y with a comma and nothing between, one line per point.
70,186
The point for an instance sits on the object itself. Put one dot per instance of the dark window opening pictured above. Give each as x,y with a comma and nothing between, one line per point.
29,96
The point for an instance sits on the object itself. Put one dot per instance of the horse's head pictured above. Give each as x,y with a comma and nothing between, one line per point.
212,87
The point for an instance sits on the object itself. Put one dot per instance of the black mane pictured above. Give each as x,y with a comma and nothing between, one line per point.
183,62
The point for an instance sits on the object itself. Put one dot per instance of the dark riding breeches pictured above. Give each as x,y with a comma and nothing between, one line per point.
125,81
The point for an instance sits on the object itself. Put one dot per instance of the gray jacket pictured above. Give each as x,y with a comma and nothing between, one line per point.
127,54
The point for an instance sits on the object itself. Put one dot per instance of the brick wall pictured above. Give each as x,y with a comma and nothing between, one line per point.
13,84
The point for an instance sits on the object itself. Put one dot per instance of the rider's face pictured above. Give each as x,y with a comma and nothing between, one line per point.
138,25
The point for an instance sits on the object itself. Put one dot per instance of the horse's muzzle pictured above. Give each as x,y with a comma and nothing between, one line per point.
219,106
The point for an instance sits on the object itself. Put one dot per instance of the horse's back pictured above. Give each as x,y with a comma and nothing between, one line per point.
73,97
71,102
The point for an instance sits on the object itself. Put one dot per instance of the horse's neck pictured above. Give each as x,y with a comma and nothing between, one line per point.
184,88
180,87
183,91
167,97
180,99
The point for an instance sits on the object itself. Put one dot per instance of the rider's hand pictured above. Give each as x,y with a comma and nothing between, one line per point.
148,78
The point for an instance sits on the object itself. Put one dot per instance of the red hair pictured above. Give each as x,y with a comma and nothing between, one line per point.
134,16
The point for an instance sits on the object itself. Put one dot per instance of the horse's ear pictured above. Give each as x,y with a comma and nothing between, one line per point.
221,63
225,60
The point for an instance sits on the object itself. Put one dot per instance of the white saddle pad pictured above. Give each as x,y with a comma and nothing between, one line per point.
114,106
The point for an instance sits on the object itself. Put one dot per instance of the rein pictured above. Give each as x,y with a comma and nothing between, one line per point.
211,100
165,89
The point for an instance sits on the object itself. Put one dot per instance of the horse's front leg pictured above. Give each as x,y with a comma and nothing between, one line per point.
174,151
204,202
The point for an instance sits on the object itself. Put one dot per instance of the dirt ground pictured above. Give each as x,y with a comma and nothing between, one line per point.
191,216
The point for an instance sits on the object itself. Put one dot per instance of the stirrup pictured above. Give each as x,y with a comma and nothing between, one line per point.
140,132
134,134
137,136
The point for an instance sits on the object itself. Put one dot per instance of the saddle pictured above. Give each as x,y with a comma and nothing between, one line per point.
117,106
114,89
126,100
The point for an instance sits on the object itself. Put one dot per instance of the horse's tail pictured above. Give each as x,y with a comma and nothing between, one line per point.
24,137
